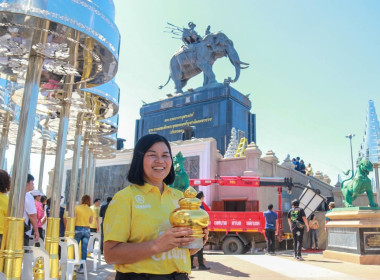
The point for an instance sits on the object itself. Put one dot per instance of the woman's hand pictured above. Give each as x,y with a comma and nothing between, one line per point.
127,253
205,238
173,237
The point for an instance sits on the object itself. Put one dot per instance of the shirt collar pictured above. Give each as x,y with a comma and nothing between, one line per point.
148,187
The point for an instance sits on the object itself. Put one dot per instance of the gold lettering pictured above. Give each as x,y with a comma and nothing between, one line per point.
172,126
180,117
373,240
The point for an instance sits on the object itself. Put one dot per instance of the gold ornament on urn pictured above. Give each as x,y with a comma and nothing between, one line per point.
191,215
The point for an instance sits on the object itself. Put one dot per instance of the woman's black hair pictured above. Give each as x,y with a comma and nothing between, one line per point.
312,216
5,181
136,171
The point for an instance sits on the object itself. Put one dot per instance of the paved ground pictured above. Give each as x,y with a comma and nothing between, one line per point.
259,266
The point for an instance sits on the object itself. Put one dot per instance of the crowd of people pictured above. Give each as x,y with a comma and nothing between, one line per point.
299,165
37,211
297,223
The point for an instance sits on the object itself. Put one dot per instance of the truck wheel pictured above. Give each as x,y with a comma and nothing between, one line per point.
232,246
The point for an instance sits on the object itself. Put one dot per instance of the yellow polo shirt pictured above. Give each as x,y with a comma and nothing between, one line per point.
96,215
82,215
140,213
4,200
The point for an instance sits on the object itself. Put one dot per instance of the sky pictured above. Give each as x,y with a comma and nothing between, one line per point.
314,65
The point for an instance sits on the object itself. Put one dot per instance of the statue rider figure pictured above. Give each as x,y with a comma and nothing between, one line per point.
189,35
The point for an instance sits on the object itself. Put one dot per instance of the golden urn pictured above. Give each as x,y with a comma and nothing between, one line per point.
190,215
38,270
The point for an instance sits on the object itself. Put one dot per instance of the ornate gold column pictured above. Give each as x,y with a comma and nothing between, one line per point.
12,247
70,232
52,244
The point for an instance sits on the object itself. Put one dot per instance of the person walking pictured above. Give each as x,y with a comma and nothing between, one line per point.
297,222
83,219
138,237
270,229
313,225
40,211
199,254
5,185
94,226
44,219
30,213
102,214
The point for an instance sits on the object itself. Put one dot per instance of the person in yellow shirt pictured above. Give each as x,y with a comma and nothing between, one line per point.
94,226
83,219
5,183
309,170
138,238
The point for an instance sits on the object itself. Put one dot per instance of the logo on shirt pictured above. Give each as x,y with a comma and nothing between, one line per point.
140,200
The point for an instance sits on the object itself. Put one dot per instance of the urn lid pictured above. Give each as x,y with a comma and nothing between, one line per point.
190,201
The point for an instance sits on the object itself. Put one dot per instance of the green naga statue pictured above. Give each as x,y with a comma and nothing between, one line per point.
181,181
358,184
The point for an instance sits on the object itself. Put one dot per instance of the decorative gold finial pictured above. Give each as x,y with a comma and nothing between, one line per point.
39,270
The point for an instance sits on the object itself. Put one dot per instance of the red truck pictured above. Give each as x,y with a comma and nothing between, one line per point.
237,232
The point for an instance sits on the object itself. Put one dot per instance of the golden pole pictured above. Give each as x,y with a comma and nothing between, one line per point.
52,244
70,232
12,247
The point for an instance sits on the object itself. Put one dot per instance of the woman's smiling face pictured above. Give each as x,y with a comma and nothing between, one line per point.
157,163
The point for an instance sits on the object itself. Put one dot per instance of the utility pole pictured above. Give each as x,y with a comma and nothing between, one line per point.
349,136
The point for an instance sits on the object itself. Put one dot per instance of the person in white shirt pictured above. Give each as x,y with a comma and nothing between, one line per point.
30,212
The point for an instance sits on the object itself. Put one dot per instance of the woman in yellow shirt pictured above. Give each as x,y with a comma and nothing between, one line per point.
5,182
309,170
138,238
83,219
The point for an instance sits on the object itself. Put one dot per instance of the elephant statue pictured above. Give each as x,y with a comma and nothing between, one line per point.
192,59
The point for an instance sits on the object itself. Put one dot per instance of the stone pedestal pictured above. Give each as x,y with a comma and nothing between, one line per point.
354,235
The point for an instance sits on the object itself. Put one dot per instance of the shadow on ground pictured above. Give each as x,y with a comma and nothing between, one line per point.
290,255
320,261
220,269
